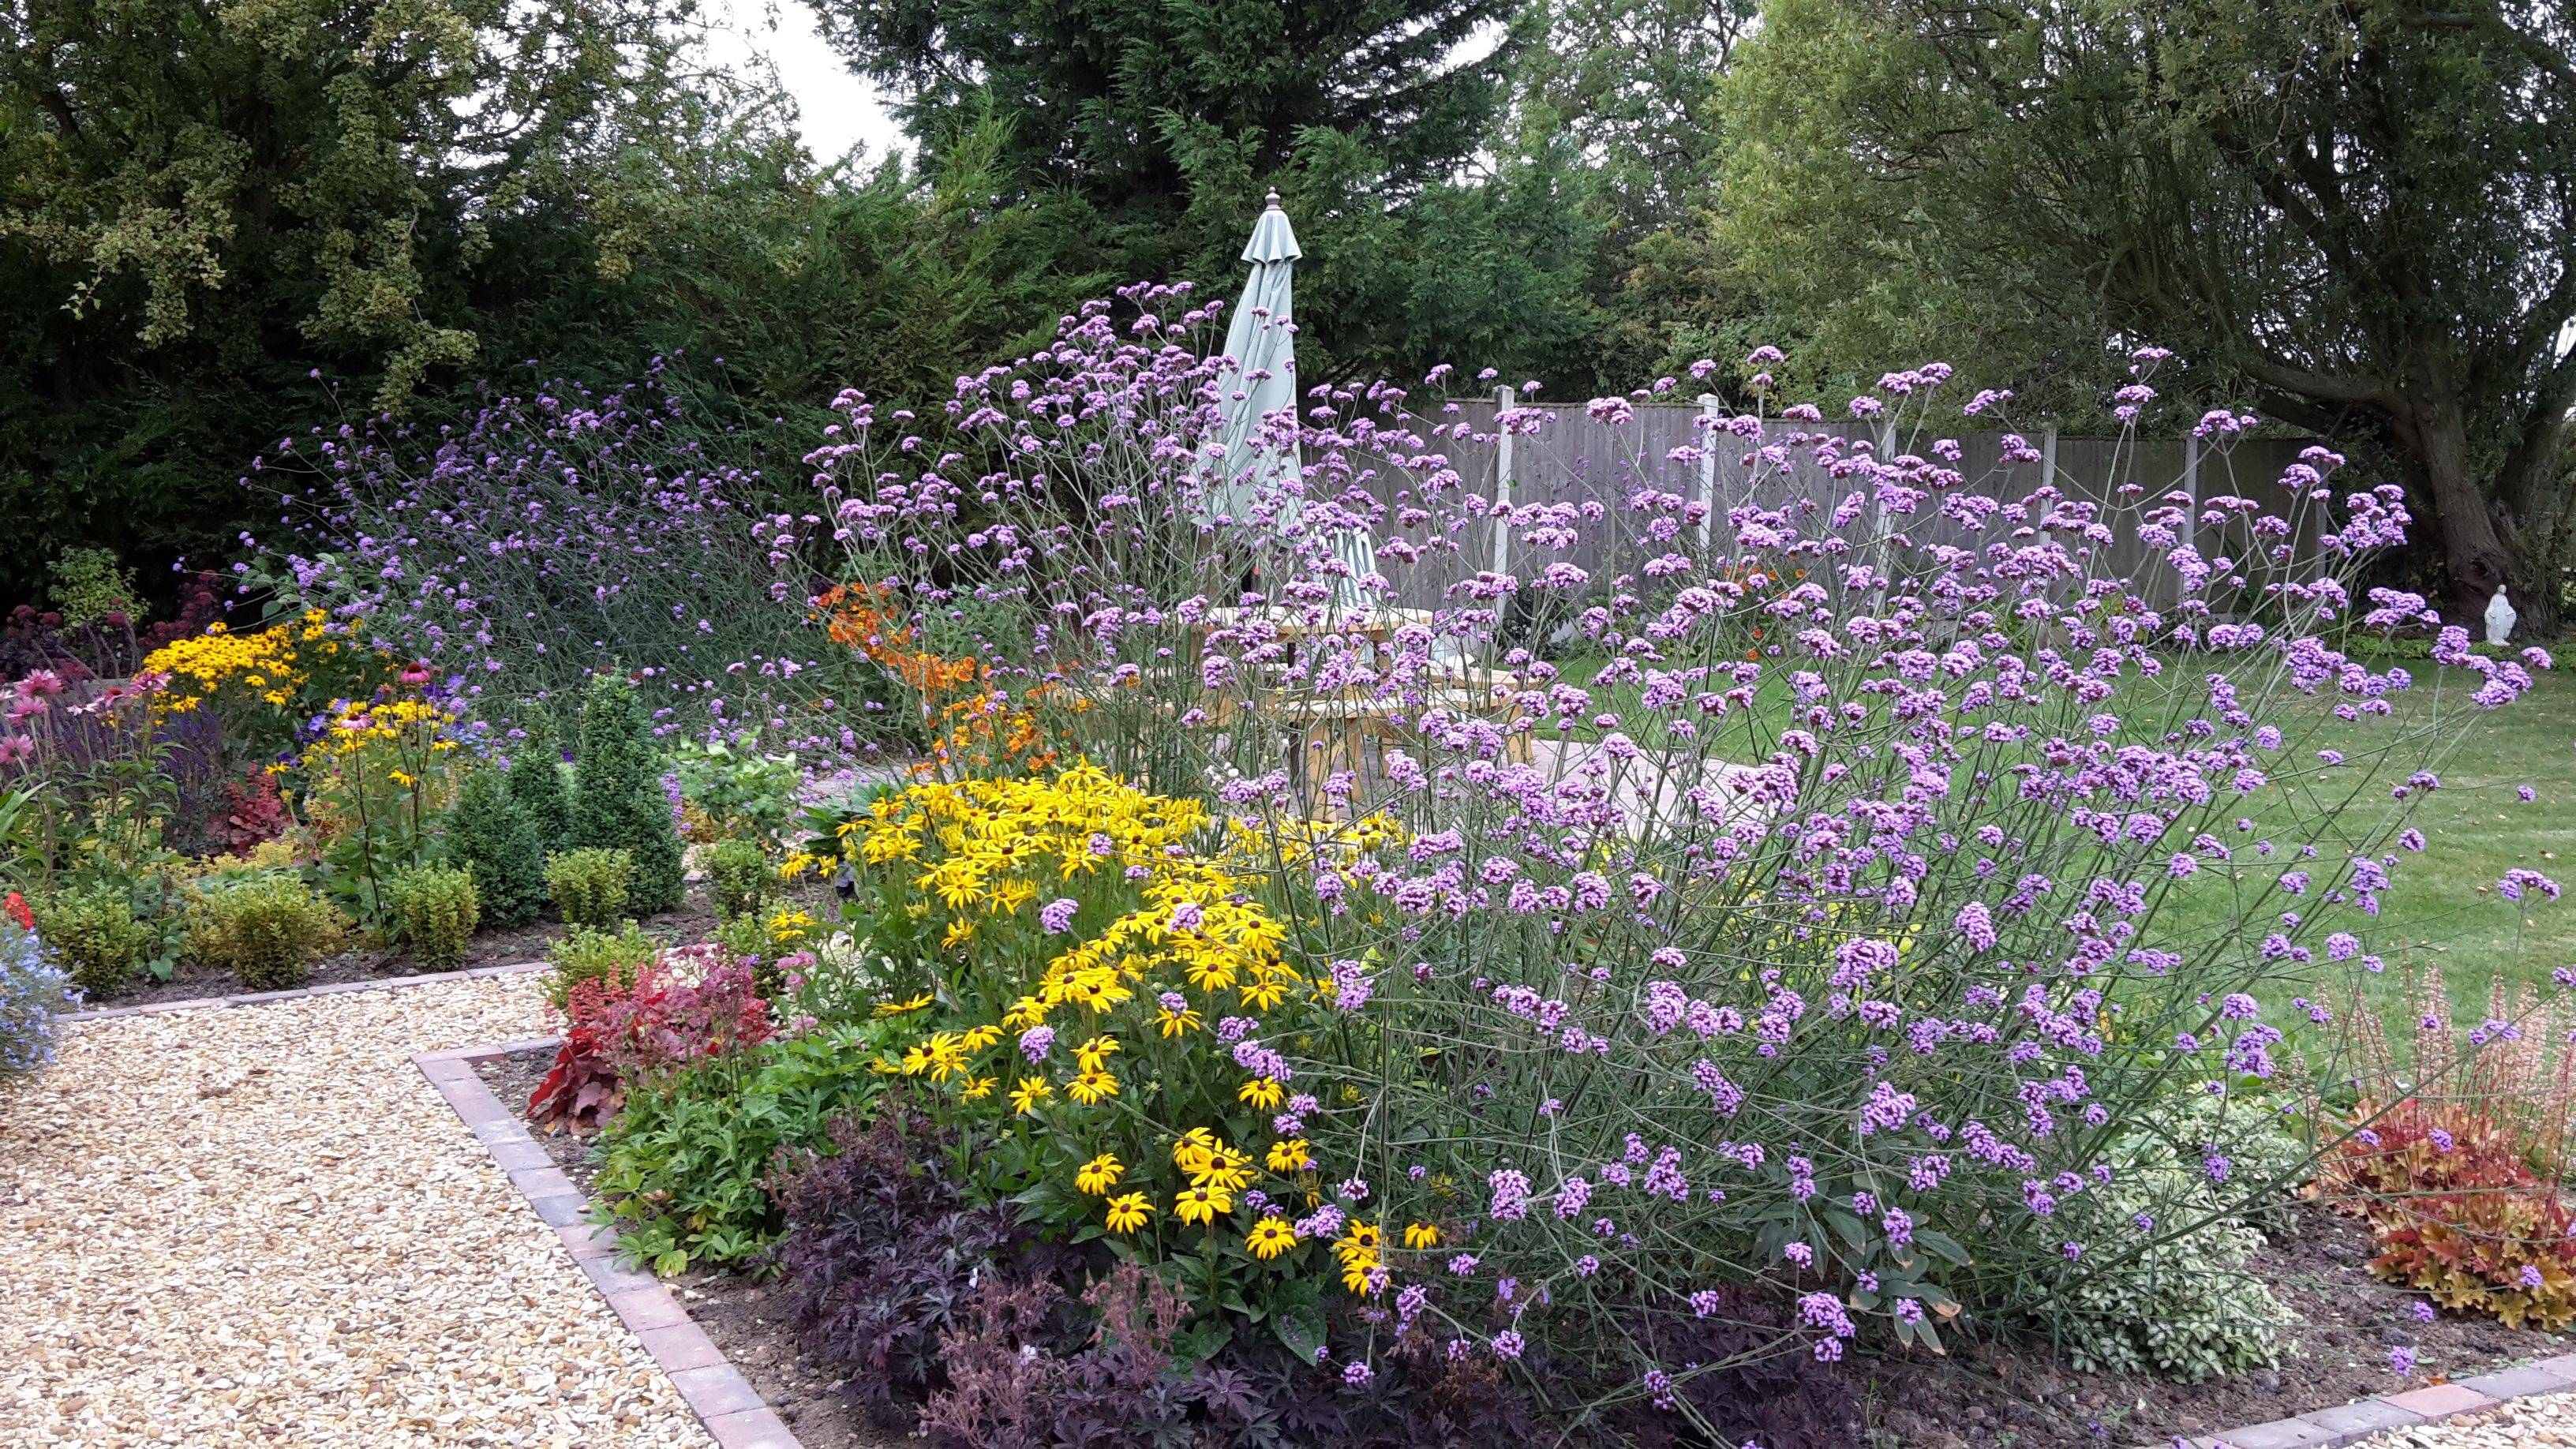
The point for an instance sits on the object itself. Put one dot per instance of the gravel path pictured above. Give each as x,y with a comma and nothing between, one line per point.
2548,1419
261,1226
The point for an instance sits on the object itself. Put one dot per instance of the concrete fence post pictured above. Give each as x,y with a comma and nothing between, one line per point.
1506,398
1709,417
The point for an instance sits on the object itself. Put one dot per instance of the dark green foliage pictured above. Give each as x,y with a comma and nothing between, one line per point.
688,1163
198,211
492,840
1092,95
196,208
431,911
617,797
1145,135
2350,214
537,784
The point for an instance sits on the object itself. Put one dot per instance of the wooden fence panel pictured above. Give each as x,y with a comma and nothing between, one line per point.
1575,461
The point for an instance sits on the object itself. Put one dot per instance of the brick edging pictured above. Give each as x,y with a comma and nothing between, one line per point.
297,993
724,1401
2351,1423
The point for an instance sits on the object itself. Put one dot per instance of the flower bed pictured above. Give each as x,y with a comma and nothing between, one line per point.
1933,923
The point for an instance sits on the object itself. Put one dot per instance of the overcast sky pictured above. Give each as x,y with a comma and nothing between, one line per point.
837,110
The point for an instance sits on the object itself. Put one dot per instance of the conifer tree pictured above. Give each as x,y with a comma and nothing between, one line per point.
617,799
537,786
490,838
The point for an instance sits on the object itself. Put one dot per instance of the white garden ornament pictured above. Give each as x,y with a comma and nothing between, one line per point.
2500,617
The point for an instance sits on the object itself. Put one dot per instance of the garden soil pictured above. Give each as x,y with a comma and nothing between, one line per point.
2344,1322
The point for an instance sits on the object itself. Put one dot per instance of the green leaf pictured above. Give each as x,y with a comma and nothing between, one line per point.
1301,1331
1847,1226
1200,1340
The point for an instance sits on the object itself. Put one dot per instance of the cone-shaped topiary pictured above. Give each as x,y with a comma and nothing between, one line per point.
536,784
490,838
617,799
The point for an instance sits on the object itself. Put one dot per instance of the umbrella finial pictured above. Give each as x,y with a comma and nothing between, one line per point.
1274,200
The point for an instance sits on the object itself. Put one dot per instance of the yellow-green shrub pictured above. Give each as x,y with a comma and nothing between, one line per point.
589,886
431,911
95,932
588,954
266,929
739,876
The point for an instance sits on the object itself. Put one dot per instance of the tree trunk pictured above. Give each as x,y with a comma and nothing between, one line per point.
2480,552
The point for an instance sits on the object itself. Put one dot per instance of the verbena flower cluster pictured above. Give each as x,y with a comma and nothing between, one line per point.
1903,837
547,536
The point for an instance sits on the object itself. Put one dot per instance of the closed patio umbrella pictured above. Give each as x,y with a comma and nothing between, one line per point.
1262,341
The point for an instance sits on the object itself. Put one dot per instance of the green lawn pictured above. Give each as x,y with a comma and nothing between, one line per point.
2443,910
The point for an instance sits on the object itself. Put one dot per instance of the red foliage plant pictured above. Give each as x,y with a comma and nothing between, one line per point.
617,1035
2458,1170
581,1091
254,812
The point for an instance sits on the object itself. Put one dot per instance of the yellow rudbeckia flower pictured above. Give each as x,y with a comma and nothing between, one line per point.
1195,1150
1094,1055
1269,1238
1099,1175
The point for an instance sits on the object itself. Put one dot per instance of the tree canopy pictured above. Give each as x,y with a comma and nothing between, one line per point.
202,209
2357,211
2361,209
1101,92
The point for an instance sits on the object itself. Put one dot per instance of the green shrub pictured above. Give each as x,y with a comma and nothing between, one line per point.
491,838
590,887
740,877
617,799
266,929
88,587
687,1159
537,786
431,911
2187,1308
592,955
743,938
726,793
95,932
